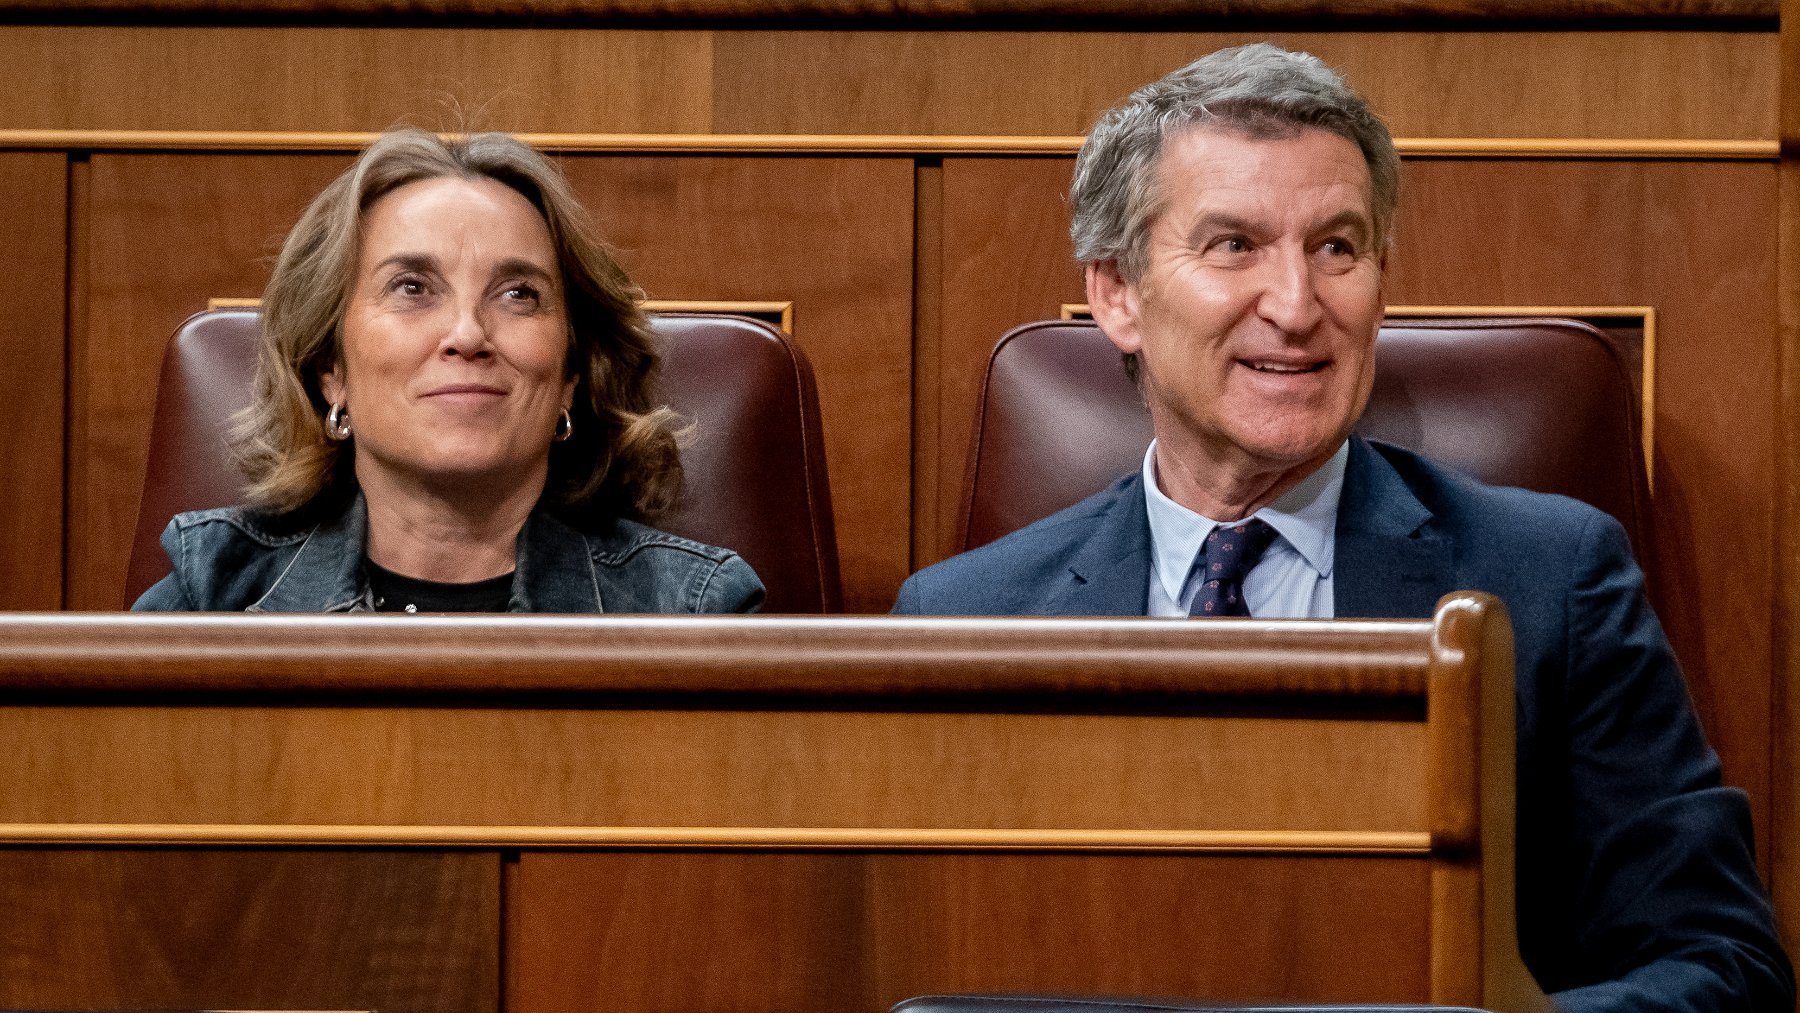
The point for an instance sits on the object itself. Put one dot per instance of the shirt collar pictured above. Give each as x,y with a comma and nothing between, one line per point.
1304,516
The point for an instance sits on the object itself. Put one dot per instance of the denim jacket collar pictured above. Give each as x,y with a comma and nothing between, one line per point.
553,570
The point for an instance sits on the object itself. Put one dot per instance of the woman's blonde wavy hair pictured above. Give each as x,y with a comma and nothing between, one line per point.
623,458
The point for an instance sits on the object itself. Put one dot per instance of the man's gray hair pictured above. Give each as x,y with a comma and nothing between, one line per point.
1259,90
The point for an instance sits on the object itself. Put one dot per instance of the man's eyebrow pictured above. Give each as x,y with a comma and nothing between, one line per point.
1219,221
1347,220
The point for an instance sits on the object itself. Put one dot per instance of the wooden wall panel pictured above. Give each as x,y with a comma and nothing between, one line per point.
33,191
1465,83
700,768
1786,777
1692,239
165,234
834,235
292,78
856,933
1007,260
1423,83
347,930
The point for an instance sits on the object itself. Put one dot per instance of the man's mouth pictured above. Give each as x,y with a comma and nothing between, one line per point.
1286,368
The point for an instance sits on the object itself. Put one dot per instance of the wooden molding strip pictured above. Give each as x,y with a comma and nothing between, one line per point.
859,144
993,14
784,838
517,660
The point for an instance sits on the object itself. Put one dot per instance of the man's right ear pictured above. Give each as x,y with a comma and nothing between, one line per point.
1113,301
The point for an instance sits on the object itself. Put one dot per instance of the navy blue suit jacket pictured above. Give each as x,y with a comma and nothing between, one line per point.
1637,886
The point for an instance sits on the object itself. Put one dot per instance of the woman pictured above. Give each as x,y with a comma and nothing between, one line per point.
453,411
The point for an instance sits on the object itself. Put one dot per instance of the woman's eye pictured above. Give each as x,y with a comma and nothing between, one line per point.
407,285
524,293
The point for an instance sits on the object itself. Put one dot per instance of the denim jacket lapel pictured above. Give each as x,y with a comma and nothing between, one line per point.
554,572
325,574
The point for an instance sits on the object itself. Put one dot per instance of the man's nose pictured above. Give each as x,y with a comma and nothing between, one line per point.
1290,296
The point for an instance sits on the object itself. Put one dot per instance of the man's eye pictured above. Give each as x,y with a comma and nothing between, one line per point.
1339,248
1232,244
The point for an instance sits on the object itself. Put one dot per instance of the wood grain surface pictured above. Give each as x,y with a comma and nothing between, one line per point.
183,929
857,933
711,723
33,288
518,657
834,236
709,768
1009,14
1588,84
1786,775
732,844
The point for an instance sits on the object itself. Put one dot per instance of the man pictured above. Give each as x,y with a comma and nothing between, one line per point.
1233,220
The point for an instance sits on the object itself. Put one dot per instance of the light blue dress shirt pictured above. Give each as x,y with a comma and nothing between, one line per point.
1293,578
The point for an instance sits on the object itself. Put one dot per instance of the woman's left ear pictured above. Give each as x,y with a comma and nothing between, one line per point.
331,386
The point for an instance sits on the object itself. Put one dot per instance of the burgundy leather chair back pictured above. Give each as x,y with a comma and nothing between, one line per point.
1542,404
755,474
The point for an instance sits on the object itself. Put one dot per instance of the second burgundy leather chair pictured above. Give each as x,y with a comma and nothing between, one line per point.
1542,404
755,474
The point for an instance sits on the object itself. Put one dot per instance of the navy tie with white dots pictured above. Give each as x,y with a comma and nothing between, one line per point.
1225,559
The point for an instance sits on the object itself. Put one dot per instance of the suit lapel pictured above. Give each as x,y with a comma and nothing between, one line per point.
1109,575
1390,563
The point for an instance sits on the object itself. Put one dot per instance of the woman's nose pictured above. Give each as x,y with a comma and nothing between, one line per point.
468,334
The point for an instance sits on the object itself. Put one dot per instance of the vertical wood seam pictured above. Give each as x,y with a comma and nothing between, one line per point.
75,252
1784,779
927,352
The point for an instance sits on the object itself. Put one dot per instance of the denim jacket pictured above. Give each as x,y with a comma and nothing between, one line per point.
234,559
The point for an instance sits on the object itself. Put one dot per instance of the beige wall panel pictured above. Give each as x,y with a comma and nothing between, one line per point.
857,933
1427,84
835,237
33,192
1693,239
1459,83
165,234
294,78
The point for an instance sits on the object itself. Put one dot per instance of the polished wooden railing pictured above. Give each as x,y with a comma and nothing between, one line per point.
349,812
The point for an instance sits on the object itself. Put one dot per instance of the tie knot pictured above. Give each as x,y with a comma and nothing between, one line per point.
1232,549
